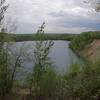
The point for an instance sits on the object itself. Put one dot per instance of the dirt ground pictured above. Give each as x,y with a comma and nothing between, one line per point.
92,51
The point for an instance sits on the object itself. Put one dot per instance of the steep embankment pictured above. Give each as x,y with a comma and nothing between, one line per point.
92,51
87,45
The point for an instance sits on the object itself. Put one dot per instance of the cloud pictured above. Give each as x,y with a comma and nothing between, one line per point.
60,15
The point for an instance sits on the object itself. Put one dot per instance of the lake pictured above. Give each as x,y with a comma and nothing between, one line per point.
61,55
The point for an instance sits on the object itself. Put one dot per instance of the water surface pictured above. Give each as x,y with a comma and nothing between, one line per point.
61,56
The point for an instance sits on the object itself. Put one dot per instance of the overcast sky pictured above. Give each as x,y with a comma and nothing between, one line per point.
60,16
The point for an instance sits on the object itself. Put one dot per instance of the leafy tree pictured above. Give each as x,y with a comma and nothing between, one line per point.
7,70
3,56
94,3
43,81
83,39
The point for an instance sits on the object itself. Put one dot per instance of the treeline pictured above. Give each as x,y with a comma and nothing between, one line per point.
83,40
31,37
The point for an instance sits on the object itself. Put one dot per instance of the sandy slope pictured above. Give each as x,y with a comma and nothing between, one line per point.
92,51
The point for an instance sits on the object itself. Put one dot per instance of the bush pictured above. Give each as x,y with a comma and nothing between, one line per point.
83,82
83,39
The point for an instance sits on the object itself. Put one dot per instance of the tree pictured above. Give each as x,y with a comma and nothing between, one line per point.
94,3
3,56
7,70
42,49
43,74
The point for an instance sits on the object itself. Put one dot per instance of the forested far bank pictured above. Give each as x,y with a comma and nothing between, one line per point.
64,36
33,37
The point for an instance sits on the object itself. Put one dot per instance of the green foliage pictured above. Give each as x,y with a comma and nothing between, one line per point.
44,76
82,40
94,4
4,76
79,82
7,69
98,7
41,51
31,37
48,84
83,82
4,73
72,81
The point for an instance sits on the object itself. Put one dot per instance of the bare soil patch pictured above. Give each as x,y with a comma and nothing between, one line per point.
92,51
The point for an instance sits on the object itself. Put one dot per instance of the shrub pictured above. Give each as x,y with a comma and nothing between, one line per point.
83,39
